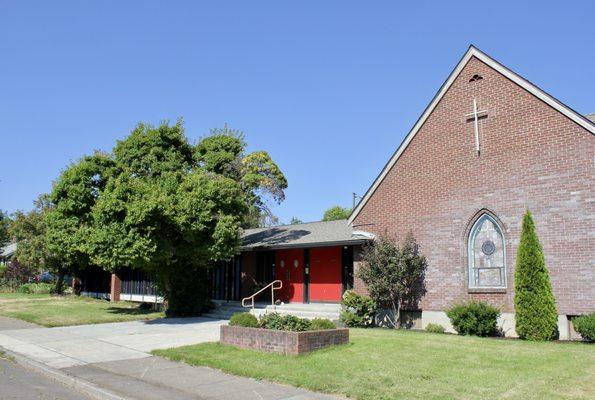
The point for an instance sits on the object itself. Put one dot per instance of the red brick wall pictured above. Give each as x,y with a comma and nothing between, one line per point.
531,156
115,287
282,341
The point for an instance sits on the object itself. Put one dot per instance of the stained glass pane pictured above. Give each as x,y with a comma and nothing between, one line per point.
486,255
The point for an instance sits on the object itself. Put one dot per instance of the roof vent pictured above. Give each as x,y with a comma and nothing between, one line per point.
476,78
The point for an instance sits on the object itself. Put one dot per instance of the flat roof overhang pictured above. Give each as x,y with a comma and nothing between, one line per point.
283,246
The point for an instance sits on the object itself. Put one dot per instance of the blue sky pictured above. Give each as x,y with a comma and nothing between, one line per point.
328,88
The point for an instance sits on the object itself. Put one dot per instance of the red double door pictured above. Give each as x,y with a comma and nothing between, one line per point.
309,275
289,268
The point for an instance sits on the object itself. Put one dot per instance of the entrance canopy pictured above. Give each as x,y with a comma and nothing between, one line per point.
311,234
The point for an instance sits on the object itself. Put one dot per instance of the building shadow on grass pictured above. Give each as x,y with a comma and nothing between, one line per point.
180,321
129,311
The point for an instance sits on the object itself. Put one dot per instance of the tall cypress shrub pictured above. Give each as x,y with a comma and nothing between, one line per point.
534,302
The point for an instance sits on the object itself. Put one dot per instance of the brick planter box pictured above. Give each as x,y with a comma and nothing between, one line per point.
282,341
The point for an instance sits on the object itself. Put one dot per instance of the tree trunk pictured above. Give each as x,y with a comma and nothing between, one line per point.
396,306
59,287
398,318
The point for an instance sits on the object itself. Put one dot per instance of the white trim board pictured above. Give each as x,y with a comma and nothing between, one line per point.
471,52
141,298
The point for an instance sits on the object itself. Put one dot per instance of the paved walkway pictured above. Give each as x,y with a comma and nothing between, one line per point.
115,357
79,345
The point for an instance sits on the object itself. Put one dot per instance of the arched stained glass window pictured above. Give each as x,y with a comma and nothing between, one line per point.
487,257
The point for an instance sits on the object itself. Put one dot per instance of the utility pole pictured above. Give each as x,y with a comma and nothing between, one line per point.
355,197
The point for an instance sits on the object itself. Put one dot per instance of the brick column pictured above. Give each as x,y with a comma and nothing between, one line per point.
115,288
359,286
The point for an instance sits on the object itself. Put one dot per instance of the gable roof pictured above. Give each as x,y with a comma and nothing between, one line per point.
584,121
311,234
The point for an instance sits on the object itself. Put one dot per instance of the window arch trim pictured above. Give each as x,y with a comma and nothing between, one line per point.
471,234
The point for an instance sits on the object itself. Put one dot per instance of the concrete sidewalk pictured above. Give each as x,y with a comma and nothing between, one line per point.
113,361
155,378
68,346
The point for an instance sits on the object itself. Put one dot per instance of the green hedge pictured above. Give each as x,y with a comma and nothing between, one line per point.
585,325
280,322
319,324
476,318
434,328
244,319
284,322
36,288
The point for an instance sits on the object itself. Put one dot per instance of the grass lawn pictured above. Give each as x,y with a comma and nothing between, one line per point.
47,310
385,364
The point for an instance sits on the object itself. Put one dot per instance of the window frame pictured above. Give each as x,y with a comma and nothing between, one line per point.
471,259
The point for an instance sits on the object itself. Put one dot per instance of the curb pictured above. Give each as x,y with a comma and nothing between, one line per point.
78,384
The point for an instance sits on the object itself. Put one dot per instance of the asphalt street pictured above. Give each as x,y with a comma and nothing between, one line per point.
18,383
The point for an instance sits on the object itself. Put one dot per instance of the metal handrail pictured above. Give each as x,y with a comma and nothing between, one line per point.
273,288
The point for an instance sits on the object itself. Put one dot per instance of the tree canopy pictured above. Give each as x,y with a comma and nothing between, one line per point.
4,225
394,274
224,153
336,212
69,220
29,230
159,203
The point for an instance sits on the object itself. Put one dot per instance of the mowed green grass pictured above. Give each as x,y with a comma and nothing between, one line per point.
387,364
51,311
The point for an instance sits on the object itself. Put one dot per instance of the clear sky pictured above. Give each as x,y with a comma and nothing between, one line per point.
328,88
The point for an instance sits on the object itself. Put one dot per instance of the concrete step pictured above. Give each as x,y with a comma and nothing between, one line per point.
217,316
305,314
302,314
224,310
321,307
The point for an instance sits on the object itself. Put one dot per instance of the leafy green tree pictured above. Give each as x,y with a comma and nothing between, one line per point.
535,305
4,226
294,221
69,221
29,230
335,213
394,275
224,152
164,211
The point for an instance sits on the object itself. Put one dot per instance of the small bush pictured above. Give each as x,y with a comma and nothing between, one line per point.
585,325
318,324
244,319
434,328
284,322
36,288
358,311
474,318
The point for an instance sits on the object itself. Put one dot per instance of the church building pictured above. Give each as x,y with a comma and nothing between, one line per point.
489,146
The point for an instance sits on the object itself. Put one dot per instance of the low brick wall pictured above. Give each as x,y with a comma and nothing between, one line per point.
282,341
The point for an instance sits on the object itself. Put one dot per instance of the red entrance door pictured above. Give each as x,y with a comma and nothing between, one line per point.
326,283
289,268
